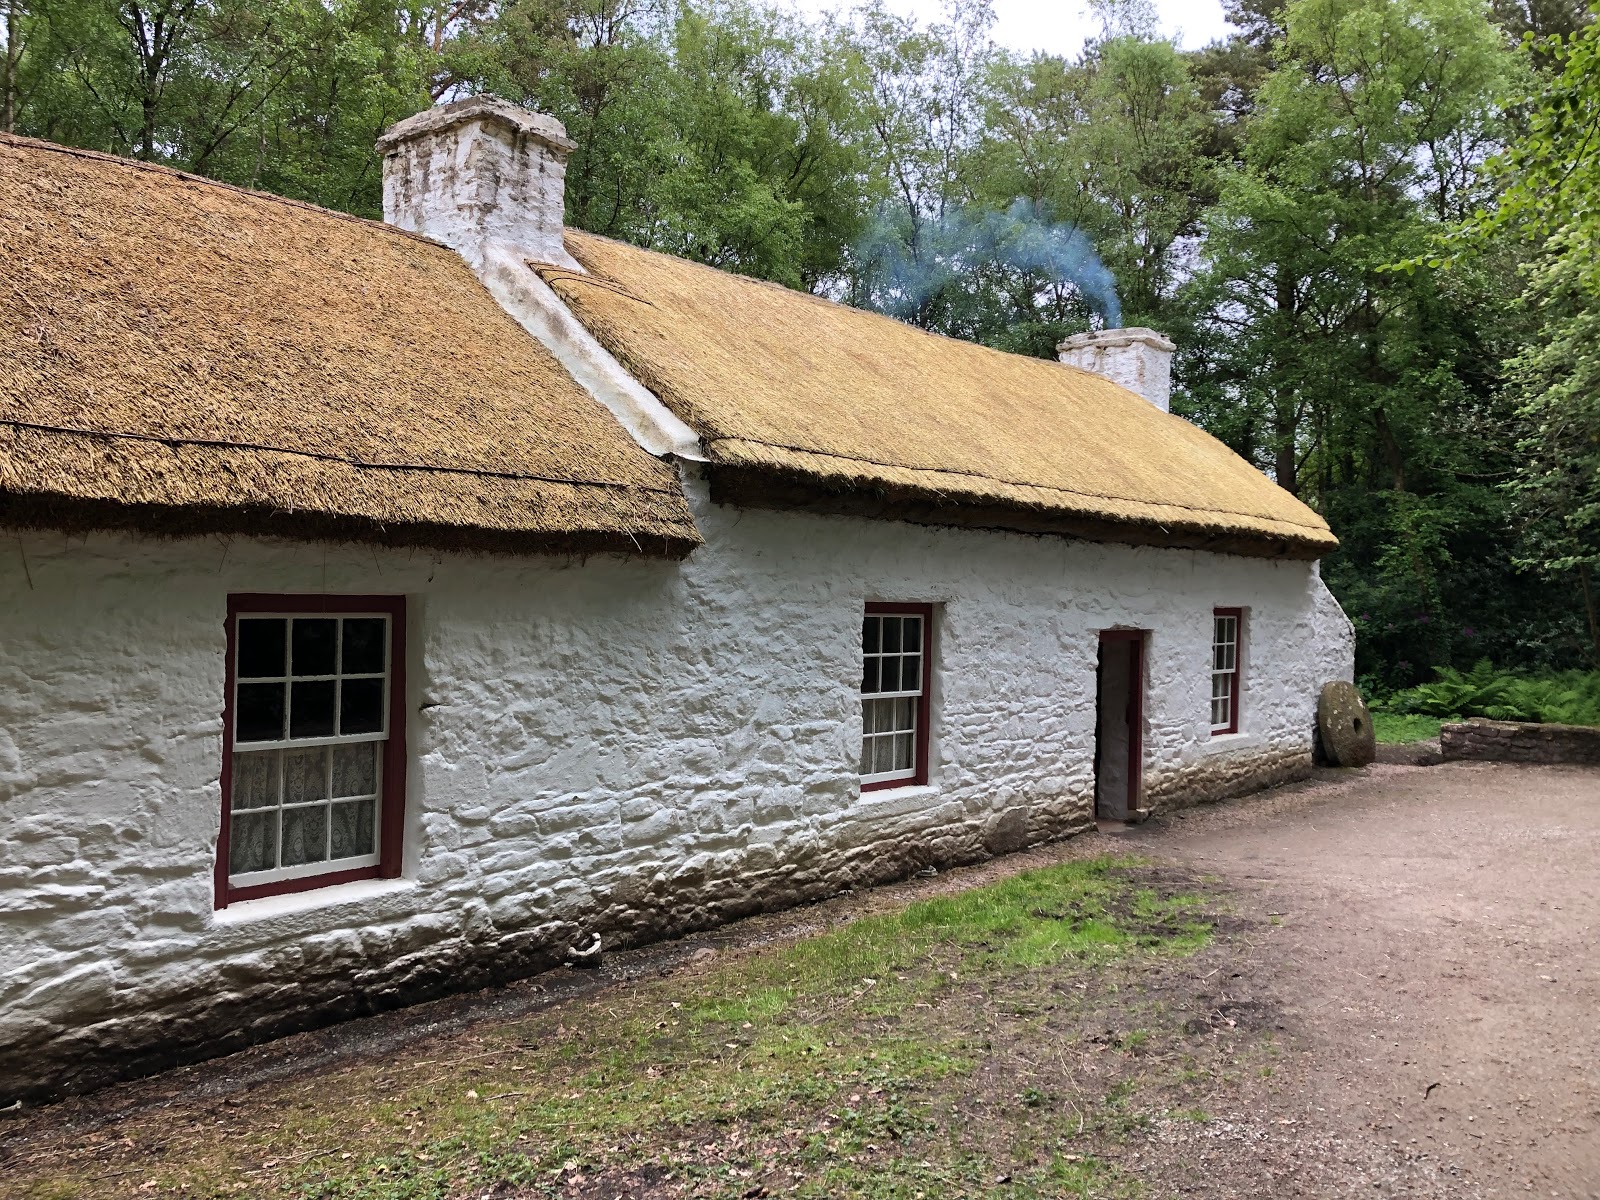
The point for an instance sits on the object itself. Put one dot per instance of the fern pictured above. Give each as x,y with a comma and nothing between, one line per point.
1566,697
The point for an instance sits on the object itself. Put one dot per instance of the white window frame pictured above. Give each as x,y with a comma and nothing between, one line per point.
919,696
1227,675
284,745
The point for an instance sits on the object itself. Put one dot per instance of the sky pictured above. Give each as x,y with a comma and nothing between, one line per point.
1060,26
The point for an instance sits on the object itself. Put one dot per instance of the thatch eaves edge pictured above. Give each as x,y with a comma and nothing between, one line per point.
758,475
767,488
74,515
79,481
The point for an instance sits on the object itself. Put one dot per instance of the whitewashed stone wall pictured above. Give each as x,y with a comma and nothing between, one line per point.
628,746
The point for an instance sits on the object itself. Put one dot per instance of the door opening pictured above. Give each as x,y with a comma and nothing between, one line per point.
1119,726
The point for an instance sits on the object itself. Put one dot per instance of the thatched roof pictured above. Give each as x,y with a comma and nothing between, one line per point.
805,403
178,356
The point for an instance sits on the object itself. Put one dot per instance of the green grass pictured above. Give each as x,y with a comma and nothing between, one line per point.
1394,729
850,1064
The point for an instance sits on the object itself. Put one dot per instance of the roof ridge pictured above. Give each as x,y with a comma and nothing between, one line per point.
40,144
1043,487
833,304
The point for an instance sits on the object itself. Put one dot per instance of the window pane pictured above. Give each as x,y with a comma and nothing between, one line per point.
258,714
361,706
890,678
911,635
903,744
355,769
255,779
252,842
869,675
314,642
363,646
305,775
305,835
353,828
866,755
869,634
905,714
261,642
911,673
311,709
883,755
891,635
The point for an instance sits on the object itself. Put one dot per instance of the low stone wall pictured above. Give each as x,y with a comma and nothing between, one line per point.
1516,741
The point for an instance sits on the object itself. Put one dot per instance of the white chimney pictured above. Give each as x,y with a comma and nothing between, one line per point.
477,171
1139,359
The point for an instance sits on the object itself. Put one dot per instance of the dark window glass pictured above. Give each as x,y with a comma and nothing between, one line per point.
869,635
891,636
891,675
261,647
314,643
311,709
258,714
363,646
869,675
910,674
361,706
912,640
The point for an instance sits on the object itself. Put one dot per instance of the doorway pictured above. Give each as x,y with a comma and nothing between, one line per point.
1119,725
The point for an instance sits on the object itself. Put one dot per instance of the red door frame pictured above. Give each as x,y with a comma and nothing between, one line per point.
391,815
1135,640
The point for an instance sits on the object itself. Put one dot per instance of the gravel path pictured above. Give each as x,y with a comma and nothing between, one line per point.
1432,942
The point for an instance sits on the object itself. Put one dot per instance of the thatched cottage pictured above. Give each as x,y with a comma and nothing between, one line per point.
391,607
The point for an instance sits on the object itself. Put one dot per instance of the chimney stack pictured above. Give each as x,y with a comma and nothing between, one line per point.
1139,359
477,171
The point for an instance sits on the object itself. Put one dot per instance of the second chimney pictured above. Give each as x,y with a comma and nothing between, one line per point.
475,171
1139,359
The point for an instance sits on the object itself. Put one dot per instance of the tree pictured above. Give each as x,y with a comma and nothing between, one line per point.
1357,387
1551,201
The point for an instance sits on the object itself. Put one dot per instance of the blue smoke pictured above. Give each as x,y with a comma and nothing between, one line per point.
967,240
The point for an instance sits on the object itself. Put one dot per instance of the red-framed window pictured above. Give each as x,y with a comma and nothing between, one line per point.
313,744
896,649
1227,635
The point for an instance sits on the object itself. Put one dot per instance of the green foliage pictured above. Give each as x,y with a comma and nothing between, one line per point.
1399,729
1567,697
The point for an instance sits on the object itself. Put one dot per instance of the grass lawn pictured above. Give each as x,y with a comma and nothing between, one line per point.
1399,728
957,1047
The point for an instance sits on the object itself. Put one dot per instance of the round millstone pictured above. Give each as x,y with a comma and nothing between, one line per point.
1345,725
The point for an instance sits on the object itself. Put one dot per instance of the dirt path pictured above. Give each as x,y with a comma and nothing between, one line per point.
1437,962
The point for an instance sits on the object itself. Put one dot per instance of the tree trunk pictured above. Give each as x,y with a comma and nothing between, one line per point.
9,68
1594,616
1285,466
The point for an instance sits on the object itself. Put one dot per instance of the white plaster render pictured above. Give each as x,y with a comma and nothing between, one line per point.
477,171
626,746
504,270
1139,359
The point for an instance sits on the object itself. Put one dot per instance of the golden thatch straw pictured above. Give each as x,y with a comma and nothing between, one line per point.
803,402
181,357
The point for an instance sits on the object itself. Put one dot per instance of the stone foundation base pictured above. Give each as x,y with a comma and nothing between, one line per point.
234,1002
1224,776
